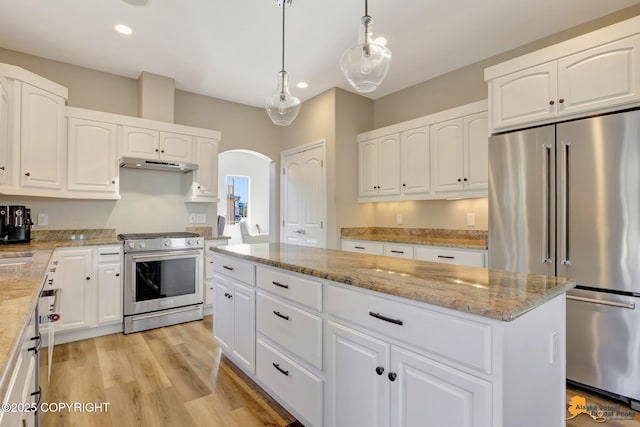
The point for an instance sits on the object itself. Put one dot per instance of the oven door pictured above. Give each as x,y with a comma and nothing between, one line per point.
162,280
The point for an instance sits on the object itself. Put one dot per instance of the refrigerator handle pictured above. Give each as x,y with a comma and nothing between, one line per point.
565,204
546,205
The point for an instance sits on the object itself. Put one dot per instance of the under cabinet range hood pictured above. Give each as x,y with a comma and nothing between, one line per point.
160,165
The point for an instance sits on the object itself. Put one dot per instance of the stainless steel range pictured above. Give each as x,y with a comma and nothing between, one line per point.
162,279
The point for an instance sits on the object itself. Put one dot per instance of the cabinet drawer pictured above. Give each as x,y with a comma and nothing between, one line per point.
301,290
372,248
301,389
461,340
110,254
294,329
451,256
398,251
234,268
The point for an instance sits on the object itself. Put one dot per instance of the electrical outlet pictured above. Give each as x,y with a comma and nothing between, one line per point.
201,218
192,218
399,219
471,219
43,219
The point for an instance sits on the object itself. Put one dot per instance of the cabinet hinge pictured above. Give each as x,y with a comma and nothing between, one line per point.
321,163
283,171
283,222
321,224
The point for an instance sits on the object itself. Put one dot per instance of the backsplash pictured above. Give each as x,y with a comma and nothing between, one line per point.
430,236
75,234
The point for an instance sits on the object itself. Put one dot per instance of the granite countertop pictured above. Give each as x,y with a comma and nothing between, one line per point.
466,239
493,294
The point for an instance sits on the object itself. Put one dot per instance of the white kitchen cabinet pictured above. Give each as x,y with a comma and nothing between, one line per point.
155,144
22,385
470,257
140,142
379,166
362,246
589,74
358,386
205,179
92,158
234,327
42,140
460,154
427,393
75,275
110,285
208,272
92,291
415,161
4,129
439,156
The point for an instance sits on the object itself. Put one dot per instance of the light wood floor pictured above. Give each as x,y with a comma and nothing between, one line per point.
176,376
173,376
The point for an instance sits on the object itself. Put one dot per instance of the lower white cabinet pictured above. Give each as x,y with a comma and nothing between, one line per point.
398,250
208,273
23,385
362,246
91,283
234,327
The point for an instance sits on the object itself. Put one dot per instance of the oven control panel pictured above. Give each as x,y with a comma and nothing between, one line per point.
163,244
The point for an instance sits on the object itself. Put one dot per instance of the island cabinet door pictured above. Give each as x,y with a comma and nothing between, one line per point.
358,387
223,308
427,393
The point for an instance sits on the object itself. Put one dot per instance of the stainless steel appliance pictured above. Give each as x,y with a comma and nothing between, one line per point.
564,200
162,279
15,224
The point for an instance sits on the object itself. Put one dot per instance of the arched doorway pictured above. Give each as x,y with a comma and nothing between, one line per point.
245,184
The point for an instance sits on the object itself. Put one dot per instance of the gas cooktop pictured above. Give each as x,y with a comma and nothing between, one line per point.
173,235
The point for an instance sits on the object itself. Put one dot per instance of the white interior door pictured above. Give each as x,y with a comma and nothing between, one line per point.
303,192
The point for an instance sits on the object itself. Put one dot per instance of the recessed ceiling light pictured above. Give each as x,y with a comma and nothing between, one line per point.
381,41
302,85
123,29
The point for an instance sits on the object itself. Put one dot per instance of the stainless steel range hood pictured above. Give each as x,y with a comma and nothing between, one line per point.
161,165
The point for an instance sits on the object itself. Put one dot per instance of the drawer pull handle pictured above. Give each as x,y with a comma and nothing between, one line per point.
228,295
36,347
280,285
110,253
226,267
392,376
358,247
397,252
379,370
282,316
386,319
38,393
282,371
446,257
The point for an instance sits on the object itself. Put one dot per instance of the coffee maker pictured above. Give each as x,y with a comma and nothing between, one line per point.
15,224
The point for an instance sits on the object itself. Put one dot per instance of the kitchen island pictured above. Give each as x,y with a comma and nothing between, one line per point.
350,339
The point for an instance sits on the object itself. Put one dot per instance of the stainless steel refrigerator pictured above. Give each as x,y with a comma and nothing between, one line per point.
564,200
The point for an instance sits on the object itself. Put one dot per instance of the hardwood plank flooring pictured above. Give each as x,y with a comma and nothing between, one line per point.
177,376
173,376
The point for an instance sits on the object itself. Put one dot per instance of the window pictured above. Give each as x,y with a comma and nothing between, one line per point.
237,198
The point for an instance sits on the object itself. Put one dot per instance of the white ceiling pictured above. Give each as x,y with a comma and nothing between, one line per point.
231,49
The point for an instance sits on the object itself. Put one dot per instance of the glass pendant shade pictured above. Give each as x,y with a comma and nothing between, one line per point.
282,107
366,64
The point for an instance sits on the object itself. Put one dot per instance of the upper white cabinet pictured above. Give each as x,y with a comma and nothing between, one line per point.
439,156
92,158
42,139
154,144
205,179
379,166
4,129
593,73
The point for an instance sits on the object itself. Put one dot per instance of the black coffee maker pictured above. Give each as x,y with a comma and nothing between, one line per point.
15,224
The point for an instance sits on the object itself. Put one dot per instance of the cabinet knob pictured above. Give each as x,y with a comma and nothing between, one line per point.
117,274
404,185
552,102
561,100
392,376
199,187
27,174
379,370
113,182
157,150
162,151
88,278
465,179
459,180
1,168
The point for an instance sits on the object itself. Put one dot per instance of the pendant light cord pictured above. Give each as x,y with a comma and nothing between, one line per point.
284,5
366,7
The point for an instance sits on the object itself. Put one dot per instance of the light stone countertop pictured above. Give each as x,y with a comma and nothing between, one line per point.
493,294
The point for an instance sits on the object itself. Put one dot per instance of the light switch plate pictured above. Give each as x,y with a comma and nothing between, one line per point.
192,218
471,220
201,218
43,219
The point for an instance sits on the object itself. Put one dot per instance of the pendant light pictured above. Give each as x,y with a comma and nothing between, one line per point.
282,107
365,65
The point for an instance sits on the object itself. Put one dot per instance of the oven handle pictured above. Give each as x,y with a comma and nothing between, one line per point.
166,254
